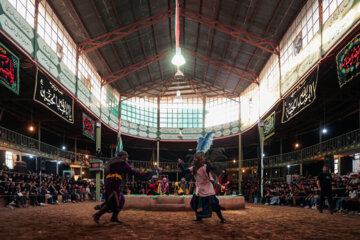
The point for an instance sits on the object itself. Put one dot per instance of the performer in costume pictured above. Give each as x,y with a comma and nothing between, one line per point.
203,201
114,198
224,180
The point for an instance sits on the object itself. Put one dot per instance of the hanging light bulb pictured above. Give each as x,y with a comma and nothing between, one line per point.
178,59
179,75
178,98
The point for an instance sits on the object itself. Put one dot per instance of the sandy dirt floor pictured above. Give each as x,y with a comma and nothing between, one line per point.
73,221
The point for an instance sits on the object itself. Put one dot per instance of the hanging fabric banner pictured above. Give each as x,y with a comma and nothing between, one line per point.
269,126
301,97
348,61
49,95
88,127
119,145
9,69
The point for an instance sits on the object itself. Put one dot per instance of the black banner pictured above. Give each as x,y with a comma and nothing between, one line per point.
348,61
300,98
269,126
49,95
9,69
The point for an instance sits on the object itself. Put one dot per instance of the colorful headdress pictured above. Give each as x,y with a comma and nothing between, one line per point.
204,143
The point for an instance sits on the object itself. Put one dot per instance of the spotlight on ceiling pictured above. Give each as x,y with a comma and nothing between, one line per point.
288,166
234,161
63,148
324,130
178,59
297,145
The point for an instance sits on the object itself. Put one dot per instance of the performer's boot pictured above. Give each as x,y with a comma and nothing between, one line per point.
97,215
114,217
222,219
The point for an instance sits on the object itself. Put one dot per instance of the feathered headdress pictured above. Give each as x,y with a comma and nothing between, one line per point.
204,143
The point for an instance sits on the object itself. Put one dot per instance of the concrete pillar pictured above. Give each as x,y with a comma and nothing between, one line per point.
281,149
301,169
261,136
98,145
39,136
158,153
57,167
339,164
320,137
240,163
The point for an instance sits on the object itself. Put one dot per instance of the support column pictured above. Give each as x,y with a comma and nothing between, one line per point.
98,145
57,167
301,169
158,153
177,176
320,137
261,136
281,149
39,137
240,163
339,164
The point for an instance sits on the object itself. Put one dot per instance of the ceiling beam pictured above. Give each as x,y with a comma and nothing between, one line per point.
133,68
199,85
87,34
240,72
243,35
112,36
151,86
227,43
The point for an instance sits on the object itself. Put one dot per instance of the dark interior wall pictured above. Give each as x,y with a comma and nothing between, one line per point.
2,156
346,164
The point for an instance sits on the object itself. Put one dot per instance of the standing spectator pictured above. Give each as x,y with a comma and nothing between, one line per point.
224,180
324,185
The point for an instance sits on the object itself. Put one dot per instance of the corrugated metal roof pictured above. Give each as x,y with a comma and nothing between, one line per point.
87,19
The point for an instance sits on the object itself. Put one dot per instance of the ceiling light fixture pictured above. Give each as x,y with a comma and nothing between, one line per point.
178,98
178,59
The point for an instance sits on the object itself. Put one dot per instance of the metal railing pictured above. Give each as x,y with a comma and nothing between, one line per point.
344,142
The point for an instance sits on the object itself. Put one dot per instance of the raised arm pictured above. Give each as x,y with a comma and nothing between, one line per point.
183,170
130,170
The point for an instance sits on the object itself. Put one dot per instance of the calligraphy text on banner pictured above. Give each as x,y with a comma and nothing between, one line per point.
300,98
269,126
50,96
88,126
9,69
348,61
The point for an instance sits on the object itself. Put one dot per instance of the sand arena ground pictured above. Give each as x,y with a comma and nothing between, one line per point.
73,221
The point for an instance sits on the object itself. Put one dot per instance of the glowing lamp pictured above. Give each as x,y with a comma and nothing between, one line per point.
178,59
31,128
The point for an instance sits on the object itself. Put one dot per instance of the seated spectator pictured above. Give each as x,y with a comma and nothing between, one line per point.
164,188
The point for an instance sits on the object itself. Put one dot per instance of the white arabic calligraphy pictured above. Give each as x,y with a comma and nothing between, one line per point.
306,96
50,98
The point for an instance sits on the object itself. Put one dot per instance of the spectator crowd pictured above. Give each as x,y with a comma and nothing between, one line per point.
304,192
24,189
